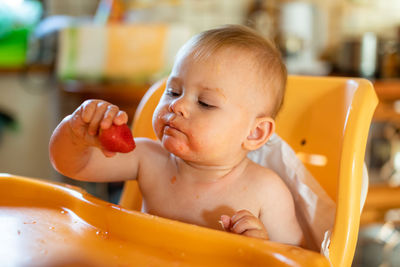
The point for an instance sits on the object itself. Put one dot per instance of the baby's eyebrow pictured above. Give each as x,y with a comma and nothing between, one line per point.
217,90
173,80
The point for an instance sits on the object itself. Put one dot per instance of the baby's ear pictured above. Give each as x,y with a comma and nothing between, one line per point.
260,133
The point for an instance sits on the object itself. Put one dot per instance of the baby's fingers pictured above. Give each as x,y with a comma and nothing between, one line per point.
225,222
109,116
257,233
101,108
239,215
88,108
107,153
246,223
77,125
121,118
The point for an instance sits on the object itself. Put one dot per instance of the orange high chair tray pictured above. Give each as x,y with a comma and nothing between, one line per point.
49,224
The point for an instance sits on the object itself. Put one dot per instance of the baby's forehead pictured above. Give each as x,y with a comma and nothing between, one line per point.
248,68
238,63
206,51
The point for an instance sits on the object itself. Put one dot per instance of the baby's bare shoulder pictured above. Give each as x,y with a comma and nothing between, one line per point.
266,183
151,153
260,174
154,164
146,146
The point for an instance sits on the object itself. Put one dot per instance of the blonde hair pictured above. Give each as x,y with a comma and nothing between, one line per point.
266,54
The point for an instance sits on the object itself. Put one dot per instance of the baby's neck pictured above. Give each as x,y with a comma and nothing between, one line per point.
204,173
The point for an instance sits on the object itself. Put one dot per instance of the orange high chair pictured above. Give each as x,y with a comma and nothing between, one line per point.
322,117
50,224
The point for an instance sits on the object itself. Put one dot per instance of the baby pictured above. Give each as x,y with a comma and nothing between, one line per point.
220,101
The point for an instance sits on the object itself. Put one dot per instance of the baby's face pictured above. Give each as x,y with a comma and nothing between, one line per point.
208,107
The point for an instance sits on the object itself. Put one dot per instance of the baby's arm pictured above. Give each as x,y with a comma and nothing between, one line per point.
75,149
277,219
279,216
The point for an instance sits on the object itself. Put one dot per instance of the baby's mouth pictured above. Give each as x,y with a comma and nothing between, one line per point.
172,126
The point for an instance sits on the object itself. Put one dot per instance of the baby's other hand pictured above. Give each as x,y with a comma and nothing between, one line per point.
93,115
245,223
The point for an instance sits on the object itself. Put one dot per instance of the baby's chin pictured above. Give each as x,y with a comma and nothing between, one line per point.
180,149
176,147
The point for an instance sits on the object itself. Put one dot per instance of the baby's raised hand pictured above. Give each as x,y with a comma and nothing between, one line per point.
93,115
245,223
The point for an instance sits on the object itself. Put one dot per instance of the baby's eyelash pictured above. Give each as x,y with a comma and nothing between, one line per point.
205,105
171,93
174,93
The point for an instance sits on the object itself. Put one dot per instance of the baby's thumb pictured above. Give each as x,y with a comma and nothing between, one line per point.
107,153
225,222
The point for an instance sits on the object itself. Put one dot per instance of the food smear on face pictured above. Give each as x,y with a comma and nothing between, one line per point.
173,179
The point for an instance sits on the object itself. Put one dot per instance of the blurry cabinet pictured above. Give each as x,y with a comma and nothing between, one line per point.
126,96
380,200
384,189
389,100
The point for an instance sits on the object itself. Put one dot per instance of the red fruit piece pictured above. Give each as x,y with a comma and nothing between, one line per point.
117,138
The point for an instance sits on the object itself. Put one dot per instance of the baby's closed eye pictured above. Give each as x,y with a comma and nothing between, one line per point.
205,104
172,92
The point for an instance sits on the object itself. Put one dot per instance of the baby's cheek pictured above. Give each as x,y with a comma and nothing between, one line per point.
156,128
201,143
195,141
157,124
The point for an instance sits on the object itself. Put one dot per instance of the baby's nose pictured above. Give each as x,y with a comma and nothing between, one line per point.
180,107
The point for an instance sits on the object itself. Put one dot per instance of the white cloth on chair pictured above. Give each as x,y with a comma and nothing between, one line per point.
315,210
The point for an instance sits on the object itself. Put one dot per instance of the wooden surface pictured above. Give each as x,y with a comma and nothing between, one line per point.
388,92
125,96
380,199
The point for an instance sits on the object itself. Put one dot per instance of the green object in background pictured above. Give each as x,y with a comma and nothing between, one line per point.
13,48
17,19
7,121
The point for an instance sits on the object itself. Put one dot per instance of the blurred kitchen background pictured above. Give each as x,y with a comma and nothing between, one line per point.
54,54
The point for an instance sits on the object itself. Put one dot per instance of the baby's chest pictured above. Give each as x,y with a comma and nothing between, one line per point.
198,205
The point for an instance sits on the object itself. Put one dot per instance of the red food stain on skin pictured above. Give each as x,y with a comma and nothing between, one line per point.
173,179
